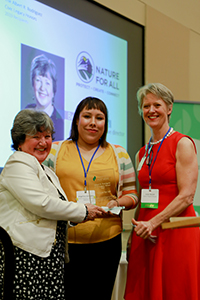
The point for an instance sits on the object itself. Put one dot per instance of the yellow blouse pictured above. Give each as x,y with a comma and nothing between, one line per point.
71,175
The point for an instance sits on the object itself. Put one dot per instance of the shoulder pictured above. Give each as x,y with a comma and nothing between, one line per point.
118,147
56,146
20,156
185,150
182,141
186,145
65,144
20,160
120,151
177,136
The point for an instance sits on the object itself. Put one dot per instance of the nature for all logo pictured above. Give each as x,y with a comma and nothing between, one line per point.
85,67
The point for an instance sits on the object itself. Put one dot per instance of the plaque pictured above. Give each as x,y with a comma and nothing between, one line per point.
104,184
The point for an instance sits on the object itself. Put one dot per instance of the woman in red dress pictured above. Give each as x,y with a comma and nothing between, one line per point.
164,264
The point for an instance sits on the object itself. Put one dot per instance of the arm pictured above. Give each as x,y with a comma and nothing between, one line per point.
187,174
28,184
127,194
125,201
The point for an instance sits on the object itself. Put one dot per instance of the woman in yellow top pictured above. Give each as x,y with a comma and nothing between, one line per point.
89,168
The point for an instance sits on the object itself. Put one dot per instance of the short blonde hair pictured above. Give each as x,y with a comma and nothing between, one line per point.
157,89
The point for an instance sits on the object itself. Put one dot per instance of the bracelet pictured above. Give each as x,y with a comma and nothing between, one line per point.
86,215
117,202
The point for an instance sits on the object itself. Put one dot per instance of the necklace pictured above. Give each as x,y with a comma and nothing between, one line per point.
157,142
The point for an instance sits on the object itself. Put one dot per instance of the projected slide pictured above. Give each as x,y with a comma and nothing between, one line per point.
52,60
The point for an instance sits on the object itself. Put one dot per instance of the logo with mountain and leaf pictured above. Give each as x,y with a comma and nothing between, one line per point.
85,67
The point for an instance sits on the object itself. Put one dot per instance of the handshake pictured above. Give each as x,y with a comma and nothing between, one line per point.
94,211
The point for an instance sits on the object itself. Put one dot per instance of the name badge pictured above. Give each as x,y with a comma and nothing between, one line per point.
87,196
149,198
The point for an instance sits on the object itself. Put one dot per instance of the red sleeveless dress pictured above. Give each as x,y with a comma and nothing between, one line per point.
169,269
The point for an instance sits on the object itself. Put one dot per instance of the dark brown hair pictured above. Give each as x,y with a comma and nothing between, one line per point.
89,103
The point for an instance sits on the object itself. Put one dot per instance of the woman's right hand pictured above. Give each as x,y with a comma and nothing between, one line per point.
94,211
144,230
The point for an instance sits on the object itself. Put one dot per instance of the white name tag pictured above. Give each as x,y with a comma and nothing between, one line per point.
149,198
86,197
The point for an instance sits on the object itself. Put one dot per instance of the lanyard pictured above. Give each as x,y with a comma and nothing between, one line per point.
149,165
86,172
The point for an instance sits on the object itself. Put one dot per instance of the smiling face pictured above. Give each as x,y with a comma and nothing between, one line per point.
38,145
43,90
155,111
91,126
